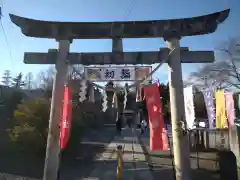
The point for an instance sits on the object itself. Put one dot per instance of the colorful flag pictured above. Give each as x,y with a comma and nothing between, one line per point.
221,120
230,110
189,106
66,118
208,98
158,135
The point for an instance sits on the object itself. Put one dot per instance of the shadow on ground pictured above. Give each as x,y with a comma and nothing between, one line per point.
218,165
197,174
22,163
87,170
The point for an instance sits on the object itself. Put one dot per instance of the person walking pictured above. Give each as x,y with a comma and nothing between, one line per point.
144,126
118,125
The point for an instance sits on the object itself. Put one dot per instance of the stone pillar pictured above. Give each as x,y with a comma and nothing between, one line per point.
53,149
117,46
180,138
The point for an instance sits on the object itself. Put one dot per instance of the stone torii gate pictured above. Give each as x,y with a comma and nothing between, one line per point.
171,30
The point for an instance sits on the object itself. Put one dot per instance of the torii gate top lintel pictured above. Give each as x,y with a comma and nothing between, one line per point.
131,29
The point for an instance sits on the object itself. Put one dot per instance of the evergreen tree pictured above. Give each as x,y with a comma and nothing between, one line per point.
17,82
6,79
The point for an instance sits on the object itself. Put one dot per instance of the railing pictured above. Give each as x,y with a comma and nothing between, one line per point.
209,139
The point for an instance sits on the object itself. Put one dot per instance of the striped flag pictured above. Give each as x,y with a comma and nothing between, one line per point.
208,98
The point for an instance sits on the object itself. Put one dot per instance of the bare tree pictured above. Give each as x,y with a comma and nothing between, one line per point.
76,72
29,80
46,78
222,74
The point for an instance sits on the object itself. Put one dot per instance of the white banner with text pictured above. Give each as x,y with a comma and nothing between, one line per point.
117,73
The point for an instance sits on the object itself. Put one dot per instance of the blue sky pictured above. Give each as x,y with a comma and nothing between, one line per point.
110,10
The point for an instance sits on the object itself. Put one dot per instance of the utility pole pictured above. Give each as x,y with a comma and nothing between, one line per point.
180,138
53,149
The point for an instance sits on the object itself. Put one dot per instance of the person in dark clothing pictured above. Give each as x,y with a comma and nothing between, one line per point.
129,122
119,125
138,113
144,109
144,126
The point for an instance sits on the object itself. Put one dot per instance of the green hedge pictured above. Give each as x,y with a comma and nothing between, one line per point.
29,126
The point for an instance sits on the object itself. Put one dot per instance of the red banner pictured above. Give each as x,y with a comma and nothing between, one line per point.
158,135
66,118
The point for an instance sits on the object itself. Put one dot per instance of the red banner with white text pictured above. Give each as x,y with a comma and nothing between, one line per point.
158,135
66,118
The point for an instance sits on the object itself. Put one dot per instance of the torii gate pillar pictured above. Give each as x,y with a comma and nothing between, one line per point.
180,140
53,148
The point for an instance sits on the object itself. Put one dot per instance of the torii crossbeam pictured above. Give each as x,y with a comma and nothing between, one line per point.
129,29
119,58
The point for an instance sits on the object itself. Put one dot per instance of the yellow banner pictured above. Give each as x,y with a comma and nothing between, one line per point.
221,120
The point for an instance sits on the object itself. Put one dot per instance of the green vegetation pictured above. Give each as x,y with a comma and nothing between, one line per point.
29,125
11,101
